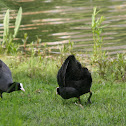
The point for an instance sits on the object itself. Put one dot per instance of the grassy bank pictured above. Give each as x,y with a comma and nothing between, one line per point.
40,105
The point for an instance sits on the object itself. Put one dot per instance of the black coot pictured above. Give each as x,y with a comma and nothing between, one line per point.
6,82
73,79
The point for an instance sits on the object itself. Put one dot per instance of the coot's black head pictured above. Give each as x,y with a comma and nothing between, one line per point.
15,86
57,91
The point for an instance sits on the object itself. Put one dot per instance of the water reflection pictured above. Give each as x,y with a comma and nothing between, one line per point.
57,22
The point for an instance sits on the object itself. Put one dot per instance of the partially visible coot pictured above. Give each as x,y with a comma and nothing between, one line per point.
73,79
6,82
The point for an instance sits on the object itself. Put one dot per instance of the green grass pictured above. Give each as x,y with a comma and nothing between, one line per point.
40,106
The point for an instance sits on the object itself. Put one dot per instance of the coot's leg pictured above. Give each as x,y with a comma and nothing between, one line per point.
79,103
89,101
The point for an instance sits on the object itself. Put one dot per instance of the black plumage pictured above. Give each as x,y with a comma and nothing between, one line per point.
6,82
73,79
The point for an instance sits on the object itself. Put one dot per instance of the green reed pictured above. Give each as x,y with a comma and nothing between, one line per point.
8,37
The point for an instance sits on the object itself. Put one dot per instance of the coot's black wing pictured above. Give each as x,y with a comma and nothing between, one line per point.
5,76
0,63
77,76
73,71
83,84
61,73
70,70
4,69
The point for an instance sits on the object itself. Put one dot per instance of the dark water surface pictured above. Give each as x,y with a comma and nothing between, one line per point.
58,21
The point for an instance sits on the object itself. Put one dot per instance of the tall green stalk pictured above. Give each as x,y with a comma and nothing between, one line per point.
7,36
98,39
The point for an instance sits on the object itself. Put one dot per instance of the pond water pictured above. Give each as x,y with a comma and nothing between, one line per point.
60,21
